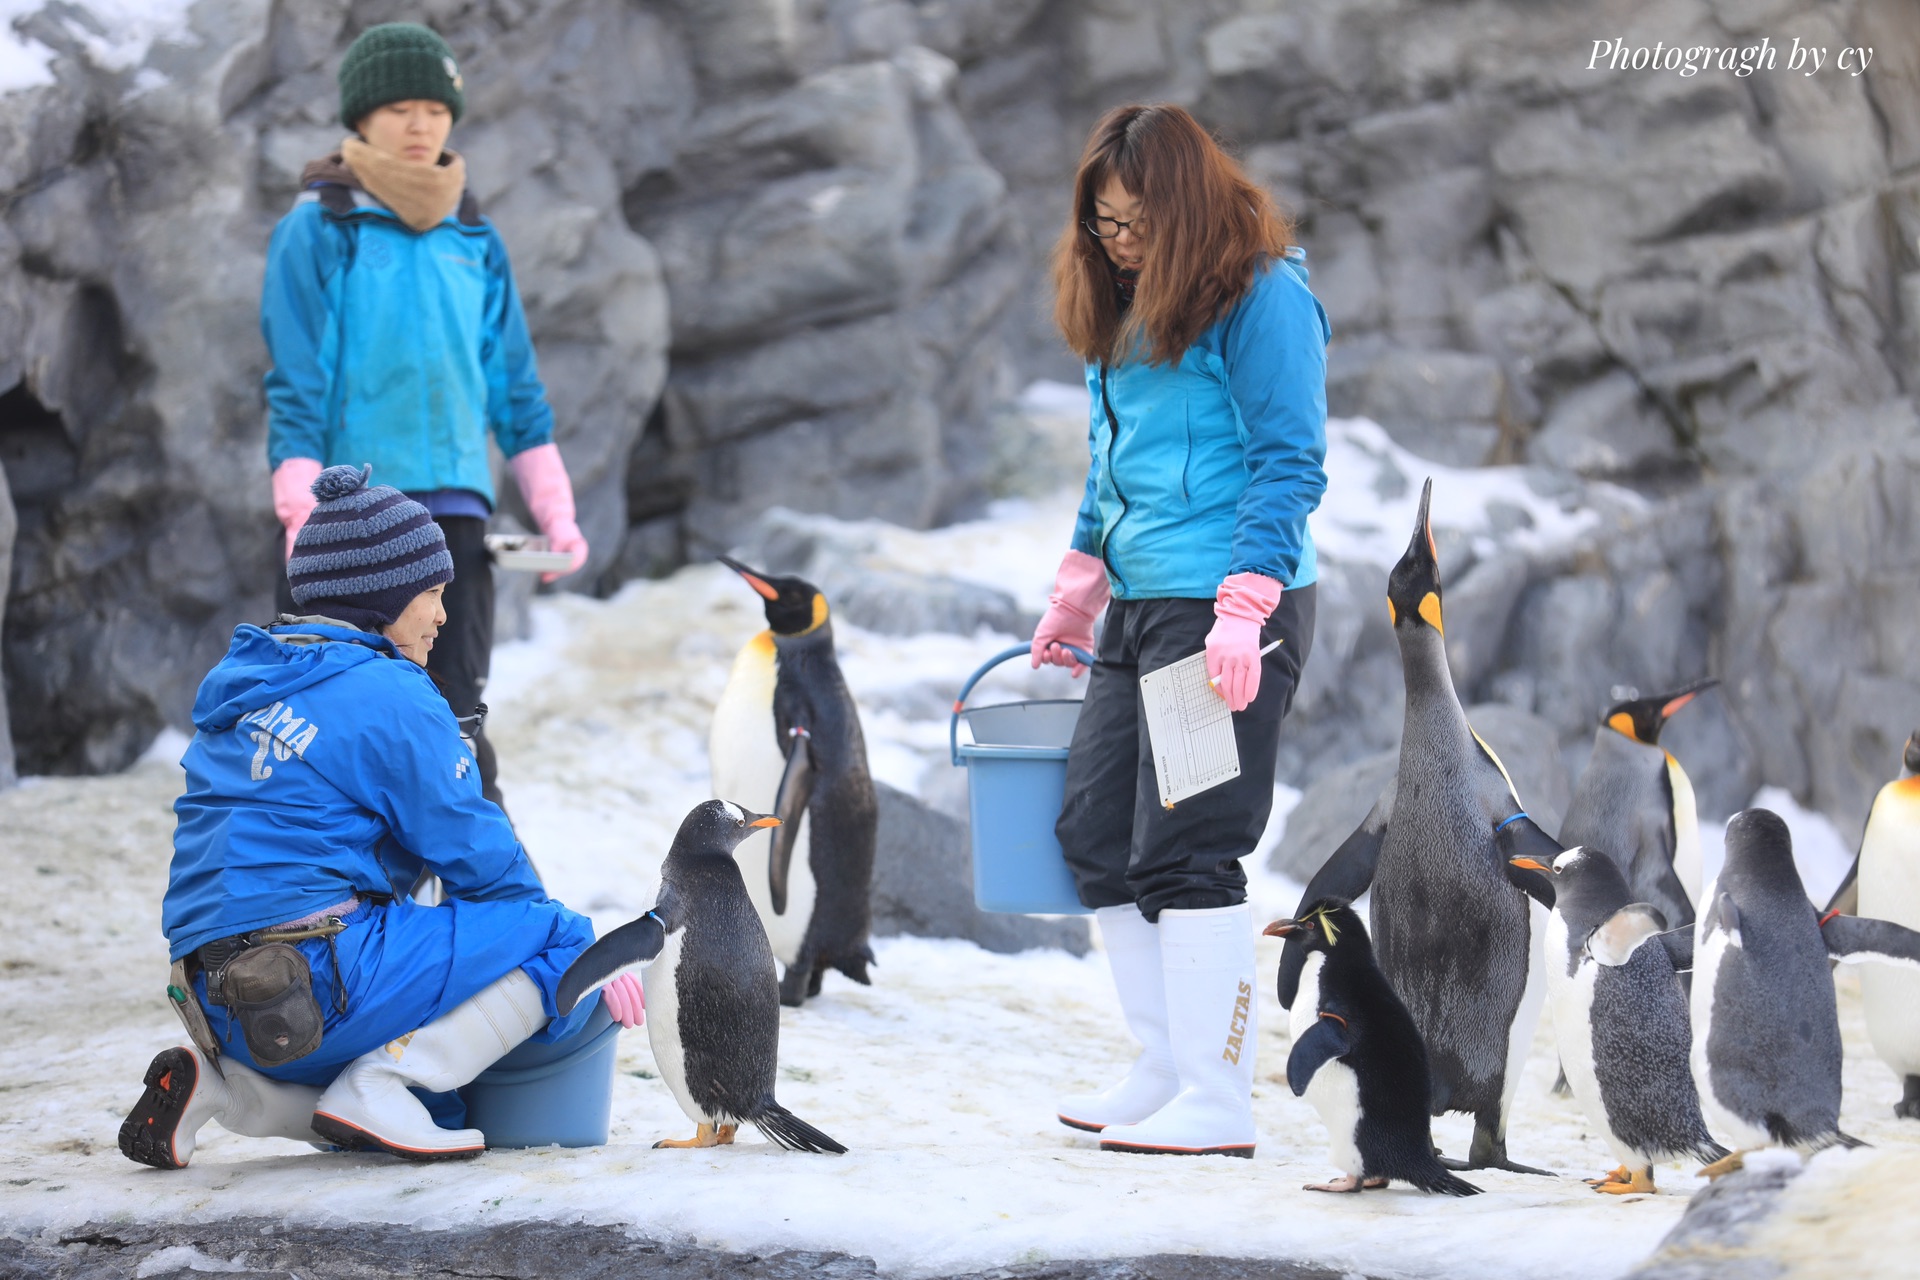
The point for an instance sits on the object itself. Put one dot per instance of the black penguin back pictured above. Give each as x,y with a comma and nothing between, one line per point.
729,996
1389,1063
811,693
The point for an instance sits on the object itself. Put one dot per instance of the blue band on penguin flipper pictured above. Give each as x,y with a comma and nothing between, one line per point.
1510,821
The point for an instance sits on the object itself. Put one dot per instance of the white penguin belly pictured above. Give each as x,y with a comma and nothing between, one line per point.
1890,890
1334,1091
746,766
1533,997
660,982
1571,997
1686,832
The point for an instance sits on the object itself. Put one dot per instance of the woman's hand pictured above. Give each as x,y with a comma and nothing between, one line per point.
1080,594
543,481
1240,609
293,499
625,1001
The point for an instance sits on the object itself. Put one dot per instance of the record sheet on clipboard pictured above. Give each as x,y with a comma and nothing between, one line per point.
1190,729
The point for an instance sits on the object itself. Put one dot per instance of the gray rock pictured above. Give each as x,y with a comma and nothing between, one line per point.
9,523
1443,405
1328,812
1711,1240
1607,428
923,885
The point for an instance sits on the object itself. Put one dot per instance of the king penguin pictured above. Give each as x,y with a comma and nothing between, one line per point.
1357,1057
1885,883
1453,931
1620,1016
713,1003
786,735
1766,1028
1635,804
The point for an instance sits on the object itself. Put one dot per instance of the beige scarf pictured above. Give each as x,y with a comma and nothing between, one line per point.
423,195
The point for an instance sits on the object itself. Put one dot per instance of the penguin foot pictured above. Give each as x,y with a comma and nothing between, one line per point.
706,1135
1908,1108
1618,1175
1373,1184
1348,1183
1639,1183
1729,1163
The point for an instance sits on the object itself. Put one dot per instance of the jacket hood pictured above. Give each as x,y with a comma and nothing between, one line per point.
263,667
1294,259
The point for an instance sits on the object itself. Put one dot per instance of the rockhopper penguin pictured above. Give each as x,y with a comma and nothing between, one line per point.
1885,883
1766,1030
1635,804
786,736
713,1003
1453,933
1357,1057
1619,1015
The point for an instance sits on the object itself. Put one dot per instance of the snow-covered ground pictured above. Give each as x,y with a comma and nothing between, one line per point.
938,1077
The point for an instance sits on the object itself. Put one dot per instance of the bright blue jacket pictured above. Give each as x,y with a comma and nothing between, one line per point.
396,347
1218,460
326,763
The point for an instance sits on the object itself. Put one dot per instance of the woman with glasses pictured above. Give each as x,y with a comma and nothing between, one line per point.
1206,360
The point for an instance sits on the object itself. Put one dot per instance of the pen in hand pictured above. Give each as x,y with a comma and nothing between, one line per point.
1215,682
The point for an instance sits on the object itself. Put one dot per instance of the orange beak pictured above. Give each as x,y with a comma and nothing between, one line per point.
753,579
1529,863
764,822
1280,928
1667,711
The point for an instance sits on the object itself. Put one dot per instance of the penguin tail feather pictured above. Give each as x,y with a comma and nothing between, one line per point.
1444,1183
1847,1140
855,967
785,1129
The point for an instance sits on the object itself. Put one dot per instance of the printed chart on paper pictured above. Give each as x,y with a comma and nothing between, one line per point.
1190,728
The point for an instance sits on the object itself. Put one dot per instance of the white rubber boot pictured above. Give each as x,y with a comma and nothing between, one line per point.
368,1107
1132,944
1207,959
183,1093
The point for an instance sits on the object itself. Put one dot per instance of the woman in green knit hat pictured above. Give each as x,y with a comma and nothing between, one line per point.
397,339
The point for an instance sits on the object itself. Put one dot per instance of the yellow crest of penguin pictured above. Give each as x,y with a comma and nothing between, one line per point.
1430,610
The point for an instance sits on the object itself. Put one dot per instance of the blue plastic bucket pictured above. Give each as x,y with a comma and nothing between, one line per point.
1016,782
558,1094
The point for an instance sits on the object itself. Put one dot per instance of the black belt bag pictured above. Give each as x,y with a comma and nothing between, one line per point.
266,984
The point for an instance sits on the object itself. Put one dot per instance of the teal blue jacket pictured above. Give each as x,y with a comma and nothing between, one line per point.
1217,461
394,347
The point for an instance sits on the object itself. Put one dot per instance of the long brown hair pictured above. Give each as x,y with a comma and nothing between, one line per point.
1208,228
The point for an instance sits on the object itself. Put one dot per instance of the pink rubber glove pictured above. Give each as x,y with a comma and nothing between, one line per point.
293,499
1080,594
625,1001
1240,609
549,494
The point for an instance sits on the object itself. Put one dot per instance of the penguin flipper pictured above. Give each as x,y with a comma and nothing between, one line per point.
1347,874
1324,1041
1725,916
1846,899
1679,947
1859,939
1620,934
789,805
629,947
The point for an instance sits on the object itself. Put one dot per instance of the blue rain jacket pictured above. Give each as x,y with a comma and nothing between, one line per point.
395,347
326,764
1219,459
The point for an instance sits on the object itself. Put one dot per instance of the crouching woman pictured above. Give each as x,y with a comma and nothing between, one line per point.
326,774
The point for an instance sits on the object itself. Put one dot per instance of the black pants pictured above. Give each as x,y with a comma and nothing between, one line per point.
1122,844
463,652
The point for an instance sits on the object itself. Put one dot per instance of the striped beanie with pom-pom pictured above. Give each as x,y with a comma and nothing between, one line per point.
365,552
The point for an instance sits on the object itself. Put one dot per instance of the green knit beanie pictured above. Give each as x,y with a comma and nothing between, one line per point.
397,62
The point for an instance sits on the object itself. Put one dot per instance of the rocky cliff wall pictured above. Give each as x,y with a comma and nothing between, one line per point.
828,219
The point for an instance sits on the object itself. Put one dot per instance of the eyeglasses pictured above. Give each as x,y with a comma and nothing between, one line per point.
1108,228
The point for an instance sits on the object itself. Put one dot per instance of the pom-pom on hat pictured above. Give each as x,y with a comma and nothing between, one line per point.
365,552
397,62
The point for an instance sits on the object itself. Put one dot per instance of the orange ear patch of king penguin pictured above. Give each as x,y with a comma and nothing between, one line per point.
1621,722
1393,614
1430,610
819,611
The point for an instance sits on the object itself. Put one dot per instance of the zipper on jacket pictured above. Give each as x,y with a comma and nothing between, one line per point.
1113,438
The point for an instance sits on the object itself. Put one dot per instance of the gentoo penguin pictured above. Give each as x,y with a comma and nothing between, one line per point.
713,1003
1357,1057
1635,804
1884,882
786,735
1620,1017
1766,1031
1453,933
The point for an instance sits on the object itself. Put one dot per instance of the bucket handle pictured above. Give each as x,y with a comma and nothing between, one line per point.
960,703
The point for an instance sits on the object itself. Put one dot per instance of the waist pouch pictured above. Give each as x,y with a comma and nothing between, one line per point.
269,991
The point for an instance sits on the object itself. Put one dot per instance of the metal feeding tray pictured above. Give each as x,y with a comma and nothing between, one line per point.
527,553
